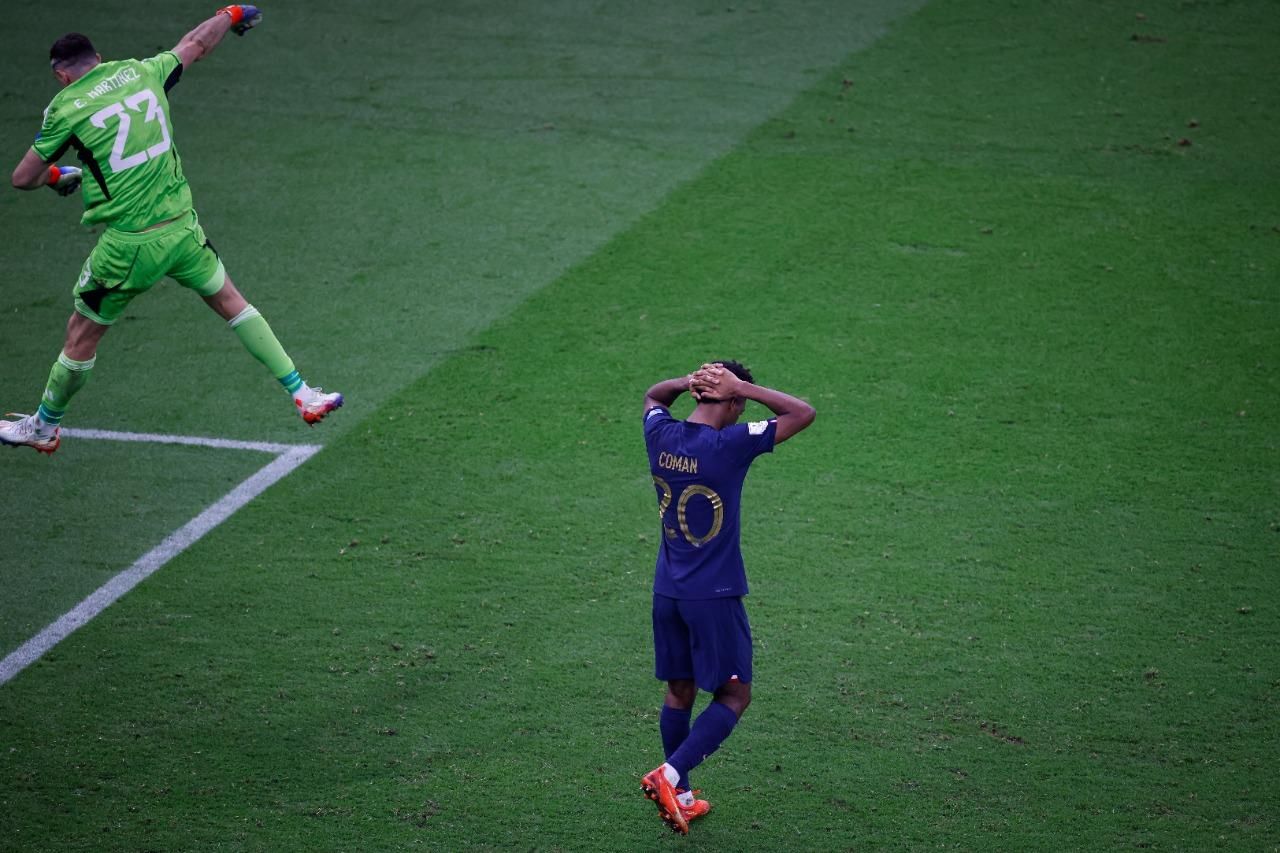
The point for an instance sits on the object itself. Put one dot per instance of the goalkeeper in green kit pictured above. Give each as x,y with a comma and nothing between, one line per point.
115,116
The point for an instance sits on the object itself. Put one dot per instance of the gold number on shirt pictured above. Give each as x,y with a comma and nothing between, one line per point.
144,102
717,509
665,500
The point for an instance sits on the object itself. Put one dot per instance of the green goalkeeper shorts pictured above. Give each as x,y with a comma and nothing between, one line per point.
126,263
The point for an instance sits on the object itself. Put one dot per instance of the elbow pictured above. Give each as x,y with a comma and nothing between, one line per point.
31,174
795,420
804,416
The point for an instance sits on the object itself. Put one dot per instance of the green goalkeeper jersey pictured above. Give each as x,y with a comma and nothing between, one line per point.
116,117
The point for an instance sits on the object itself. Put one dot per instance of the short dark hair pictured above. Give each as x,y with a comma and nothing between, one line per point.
71,49
737,368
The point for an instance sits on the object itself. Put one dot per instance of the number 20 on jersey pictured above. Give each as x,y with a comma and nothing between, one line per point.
682,506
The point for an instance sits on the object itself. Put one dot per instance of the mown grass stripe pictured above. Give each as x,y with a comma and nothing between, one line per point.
180,540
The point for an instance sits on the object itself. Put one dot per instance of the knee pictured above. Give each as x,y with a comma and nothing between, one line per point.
681,694
736,696
228,302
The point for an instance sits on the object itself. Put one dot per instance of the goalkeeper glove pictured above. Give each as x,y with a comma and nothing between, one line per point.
243,18
64,180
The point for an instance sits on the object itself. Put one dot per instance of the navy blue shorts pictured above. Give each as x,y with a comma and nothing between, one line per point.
706,640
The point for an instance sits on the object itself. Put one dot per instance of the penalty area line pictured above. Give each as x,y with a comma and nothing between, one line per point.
191,440
288,457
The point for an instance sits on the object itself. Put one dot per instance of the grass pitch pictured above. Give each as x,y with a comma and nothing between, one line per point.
1012,591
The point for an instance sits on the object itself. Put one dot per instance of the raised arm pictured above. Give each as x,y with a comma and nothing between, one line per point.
201,41
793,413
665,392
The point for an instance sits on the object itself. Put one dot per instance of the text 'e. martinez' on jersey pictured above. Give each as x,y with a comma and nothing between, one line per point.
698,472
116,117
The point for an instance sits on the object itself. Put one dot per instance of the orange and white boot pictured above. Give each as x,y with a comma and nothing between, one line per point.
658,787
691,807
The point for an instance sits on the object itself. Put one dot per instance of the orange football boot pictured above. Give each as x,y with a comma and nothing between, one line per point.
663,793
695,811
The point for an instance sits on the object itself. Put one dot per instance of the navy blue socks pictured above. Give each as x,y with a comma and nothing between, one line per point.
674,725
712,727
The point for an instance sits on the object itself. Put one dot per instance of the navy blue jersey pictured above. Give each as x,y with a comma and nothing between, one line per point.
698,472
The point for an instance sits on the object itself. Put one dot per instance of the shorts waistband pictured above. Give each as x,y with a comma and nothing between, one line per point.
182,220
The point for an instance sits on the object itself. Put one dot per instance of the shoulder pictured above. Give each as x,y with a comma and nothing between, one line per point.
164,65
750,439
58,103
51,112
53,123
656,415
163,59
656,419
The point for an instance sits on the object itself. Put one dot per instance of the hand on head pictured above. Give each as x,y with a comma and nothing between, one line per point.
712,382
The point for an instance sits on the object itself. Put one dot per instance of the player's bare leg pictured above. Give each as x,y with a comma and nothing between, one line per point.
735,695
83,336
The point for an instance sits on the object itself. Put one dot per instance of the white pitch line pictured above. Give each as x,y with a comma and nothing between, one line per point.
290,457
194,440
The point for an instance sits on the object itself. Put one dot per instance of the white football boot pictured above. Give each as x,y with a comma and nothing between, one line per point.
28,431
313,403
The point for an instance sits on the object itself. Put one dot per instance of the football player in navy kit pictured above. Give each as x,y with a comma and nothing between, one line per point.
701,637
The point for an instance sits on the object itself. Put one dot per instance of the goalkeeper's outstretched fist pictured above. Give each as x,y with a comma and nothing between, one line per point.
201,41
243,18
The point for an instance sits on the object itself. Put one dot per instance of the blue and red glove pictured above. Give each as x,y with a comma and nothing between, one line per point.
243,18
64,180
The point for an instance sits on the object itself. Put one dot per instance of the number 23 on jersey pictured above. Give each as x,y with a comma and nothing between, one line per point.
145,104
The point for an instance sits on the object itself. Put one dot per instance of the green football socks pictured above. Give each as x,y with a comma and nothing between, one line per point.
65,378
254,332
68,375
